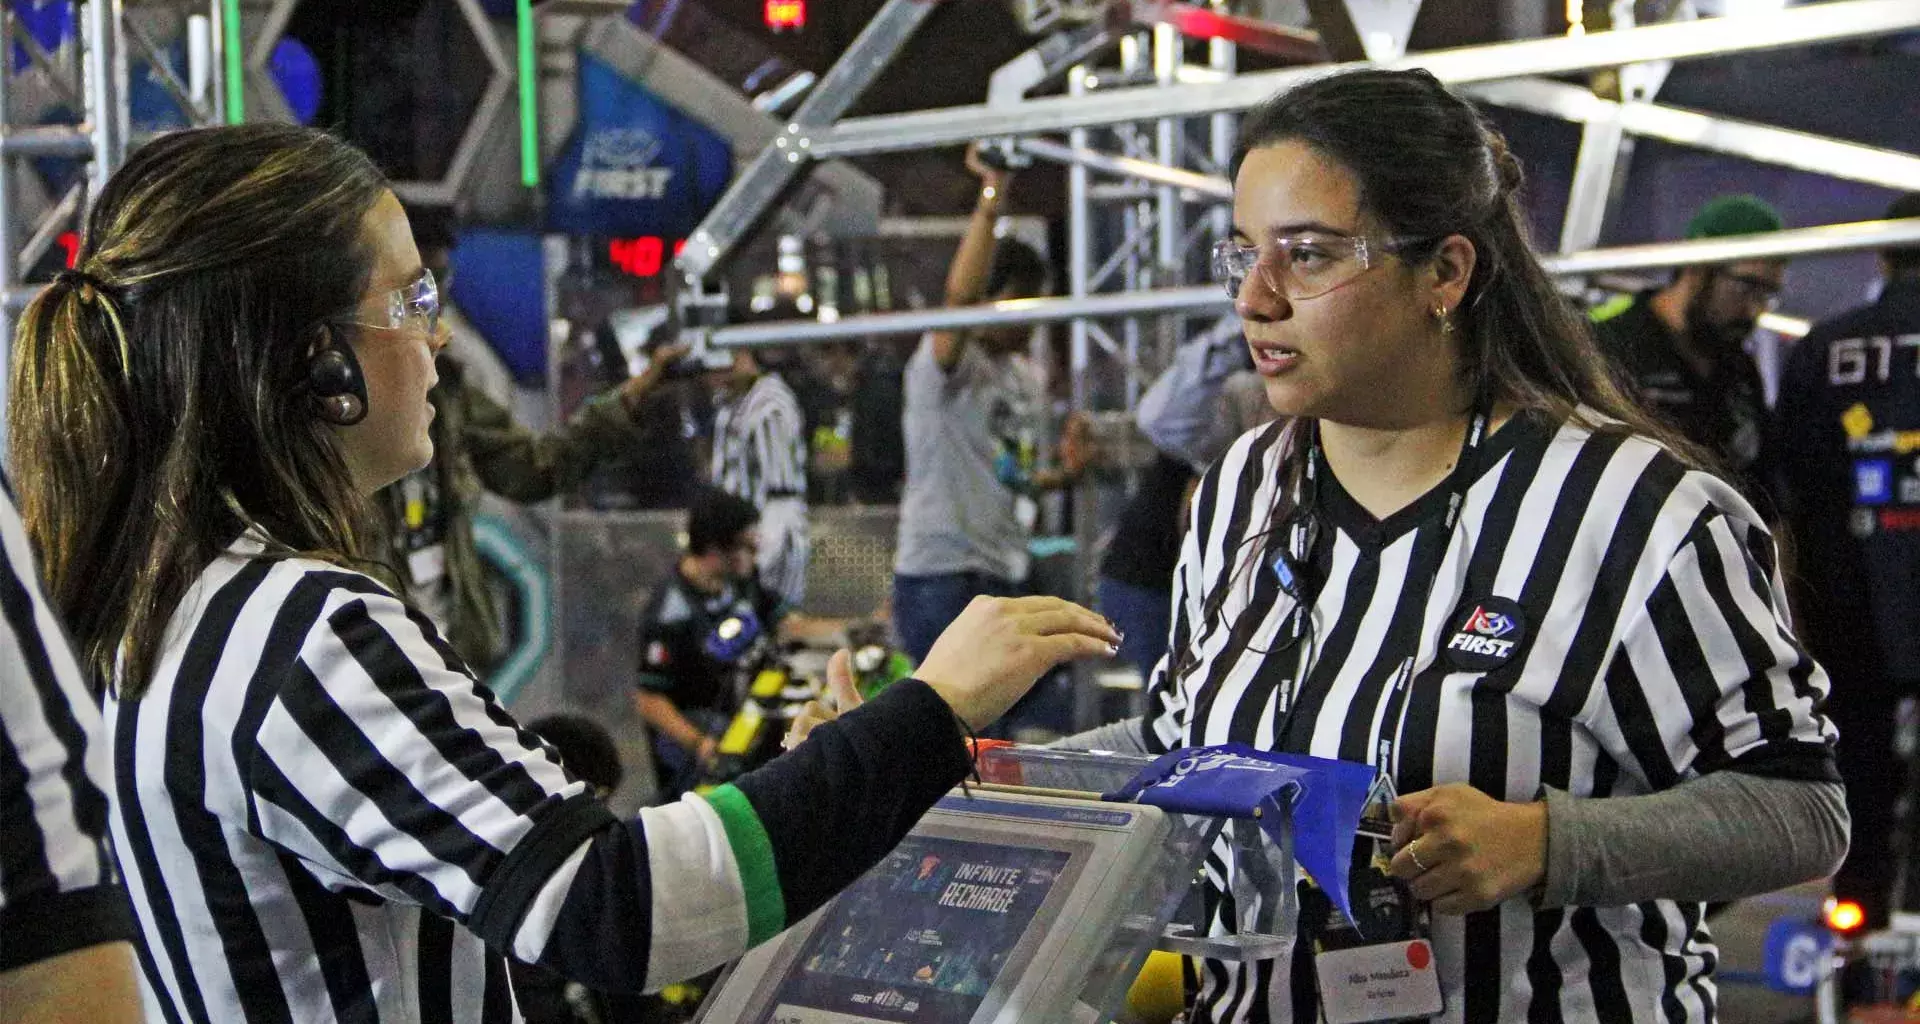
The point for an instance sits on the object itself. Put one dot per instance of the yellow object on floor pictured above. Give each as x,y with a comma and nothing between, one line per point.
1160,992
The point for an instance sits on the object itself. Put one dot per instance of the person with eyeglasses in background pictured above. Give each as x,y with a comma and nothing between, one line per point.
1680,348
478,447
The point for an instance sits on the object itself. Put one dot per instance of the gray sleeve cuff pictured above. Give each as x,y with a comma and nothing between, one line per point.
1723,836
1564,825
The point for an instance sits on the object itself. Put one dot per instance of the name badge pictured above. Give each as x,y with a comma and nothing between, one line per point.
428,566
1383,982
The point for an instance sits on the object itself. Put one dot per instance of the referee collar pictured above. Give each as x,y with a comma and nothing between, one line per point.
1342,512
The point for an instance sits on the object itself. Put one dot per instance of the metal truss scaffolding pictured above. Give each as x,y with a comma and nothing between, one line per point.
1205,299
1146,138
89,78
95,84
1162,129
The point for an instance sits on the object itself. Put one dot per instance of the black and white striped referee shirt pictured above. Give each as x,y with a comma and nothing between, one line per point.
58,889
1654,649
760,444
322,816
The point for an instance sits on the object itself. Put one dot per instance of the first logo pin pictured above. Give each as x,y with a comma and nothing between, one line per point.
1487,635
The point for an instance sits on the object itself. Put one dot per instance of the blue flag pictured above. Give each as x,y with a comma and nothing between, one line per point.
1322,798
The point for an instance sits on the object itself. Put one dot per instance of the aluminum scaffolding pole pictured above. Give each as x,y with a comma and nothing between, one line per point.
1170,219
1783,147
762,183
1833,238
1819,241
1779,147
106,65
1224,58
1837,21
1136,215
1079,243
958,318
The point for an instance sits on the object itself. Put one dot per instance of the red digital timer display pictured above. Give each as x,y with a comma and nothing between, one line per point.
645,256
786,15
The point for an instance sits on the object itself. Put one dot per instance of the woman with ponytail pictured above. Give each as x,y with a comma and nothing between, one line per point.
1465,558
319,812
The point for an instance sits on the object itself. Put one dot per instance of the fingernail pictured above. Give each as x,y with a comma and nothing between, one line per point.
1113,649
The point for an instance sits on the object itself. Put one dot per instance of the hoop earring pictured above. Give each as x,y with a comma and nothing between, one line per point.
1446,324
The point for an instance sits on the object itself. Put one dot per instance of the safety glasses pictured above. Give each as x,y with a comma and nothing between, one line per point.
413,305
1758,292
1301,266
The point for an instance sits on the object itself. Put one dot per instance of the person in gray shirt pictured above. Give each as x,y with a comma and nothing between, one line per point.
974,416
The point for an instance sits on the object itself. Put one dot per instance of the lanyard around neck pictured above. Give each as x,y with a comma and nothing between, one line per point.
1420,584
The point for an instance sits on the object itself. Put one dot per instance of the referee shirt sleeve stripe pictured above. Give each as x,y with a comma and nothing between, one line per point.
752,853
382,655
289,819
769,850
1745,641
1164,723
1699,655
402,774
1160,729
698,886
1235,483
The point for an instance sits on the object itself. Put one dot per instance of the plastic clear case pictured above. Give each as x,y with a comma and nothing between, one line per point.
1147,862
1261,877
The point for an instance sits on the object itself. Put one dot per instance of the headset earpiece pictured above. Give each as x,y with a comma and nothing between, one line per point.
336,383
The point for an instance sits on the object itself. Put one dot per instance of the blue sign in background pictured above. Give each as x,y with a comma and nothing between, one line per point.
499,285
635,165
1795,951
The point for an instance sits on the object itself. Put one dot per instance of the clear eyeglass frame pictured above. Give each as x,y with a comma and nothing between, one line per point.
412,304
1316,263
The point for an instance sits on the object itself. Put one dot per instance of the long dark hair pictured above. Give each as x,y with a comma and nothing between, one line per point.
1429,166
156,405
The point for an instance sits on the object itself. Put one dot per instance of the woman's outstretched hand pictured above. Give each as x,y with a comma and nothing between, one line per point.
994,652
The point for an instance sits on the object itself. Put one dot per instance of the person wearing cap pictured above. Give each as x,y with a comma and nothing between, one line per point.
1847,481
1680,348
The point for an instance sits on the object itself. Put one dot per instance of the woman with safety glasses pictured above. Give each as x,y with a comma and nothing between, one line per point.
320,814
1469,561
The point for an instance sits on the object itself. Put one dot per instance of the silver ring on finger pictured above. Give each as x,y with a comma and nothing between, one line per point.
1414,855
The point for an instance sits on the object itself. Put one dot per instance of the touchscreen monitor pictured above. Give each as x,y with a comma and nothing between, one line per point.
924,936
